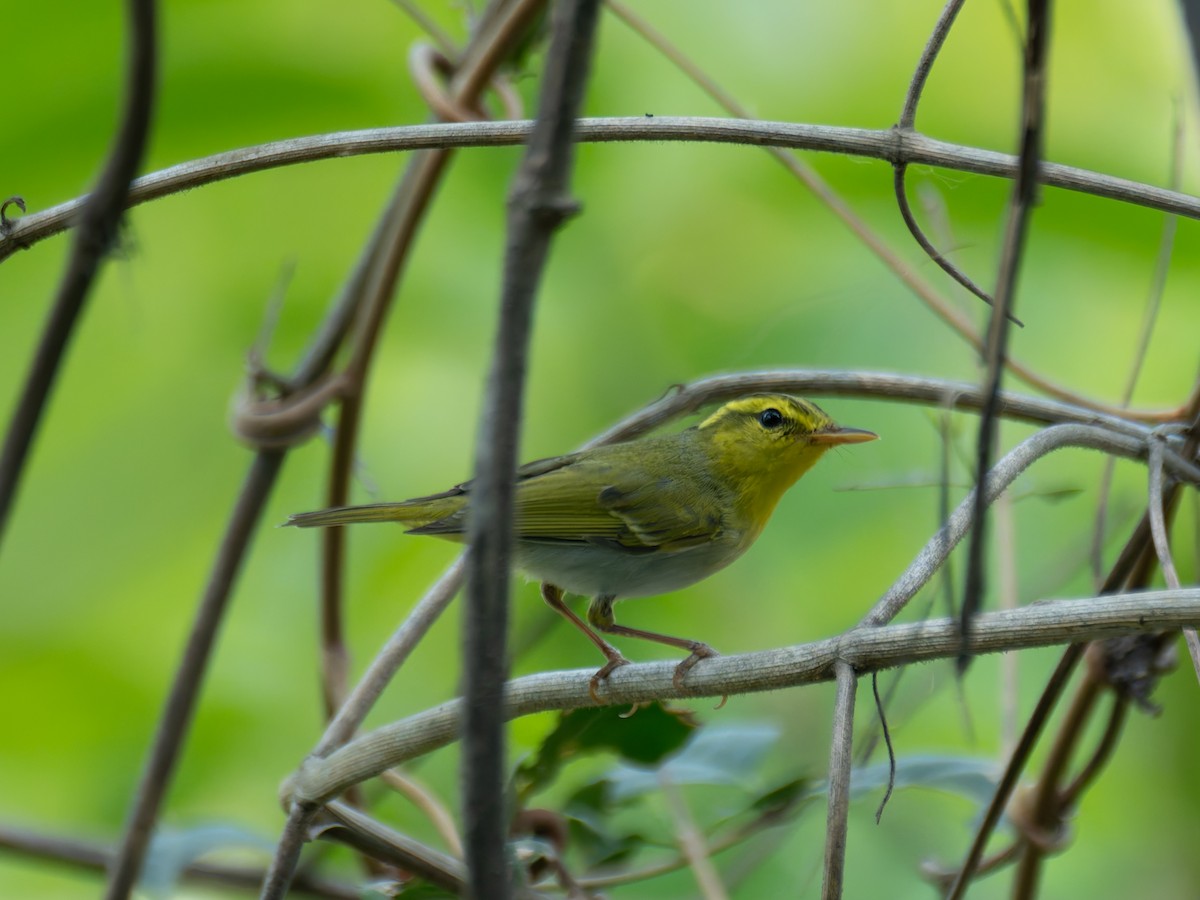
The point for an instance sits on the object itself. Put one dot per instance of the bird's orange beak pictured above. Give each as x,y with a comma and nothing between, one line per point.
837,434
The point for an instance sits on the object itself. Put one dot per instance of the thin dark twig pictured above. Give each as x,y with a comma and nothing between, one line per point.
908,115
539,204
95,856
99,220
1131,570
497,30
181,702
908,118
1012,773
1100,756
1024,195
366,300
887,741
398,228
428,25
1043,816
918,233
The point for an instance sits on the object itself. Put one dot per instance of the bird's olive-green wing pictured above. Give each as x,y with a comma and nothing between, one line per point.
601,500
592,497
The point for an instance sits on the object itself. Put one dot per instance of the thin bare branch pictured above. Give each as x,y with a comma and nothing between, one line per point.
1162,543
899,178
1016,765
882,144
424,799
428,25
941,30
907,121
1024,196
185,686
369,291
96,856
348,826
864,649
692,844
841,763
539,204
97,221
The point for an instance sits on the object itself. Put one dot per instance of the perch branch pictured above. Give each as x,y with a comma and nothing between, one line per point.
865,649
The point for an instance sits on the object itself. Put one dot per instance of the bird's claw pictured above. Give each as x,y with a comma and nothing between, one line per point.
602,674
699,651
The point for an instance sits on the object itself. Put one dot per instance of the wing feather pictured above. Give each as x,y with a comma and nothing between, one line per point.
600,497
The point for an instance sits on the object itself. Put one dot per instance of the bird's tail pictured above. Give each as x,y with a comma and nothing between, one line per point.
411,513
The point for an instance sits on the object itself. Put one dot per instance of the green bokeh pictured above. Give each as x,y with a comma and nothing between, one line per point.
687,260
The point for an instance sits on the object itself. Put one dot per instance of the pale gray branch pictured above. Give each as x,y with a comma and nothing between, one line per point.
1162,541
1016,461
891,145
863,648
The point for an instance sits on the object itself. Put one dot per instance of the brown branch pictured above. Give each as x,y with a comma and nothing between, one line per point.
96,856
1131,570
185,686
1024,195
539,204
371,288
98,220
907,122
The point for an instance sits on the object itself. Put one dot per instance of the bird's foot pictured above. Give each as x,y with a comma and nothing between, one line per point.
614,663
699,651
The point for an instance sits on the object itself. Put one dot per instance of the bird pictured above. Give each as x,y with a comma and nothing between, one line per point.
635,519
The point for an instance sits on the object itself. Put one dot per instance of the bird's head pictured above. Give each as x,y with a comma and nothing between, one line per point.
762,443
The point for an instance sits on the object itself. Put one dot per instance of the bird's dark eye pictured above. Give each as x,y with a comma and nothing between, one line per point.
770,418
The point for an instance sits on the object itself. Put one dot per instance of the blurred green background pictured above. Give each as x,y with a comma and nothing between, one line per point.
688,260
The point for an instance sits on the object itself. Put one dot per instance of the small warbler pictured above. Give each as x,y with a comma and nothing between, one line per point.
639,518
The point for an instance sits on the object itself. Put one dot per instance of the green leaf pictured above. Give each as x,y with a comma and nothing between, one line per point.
173,850
718,754
967,776
647,736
